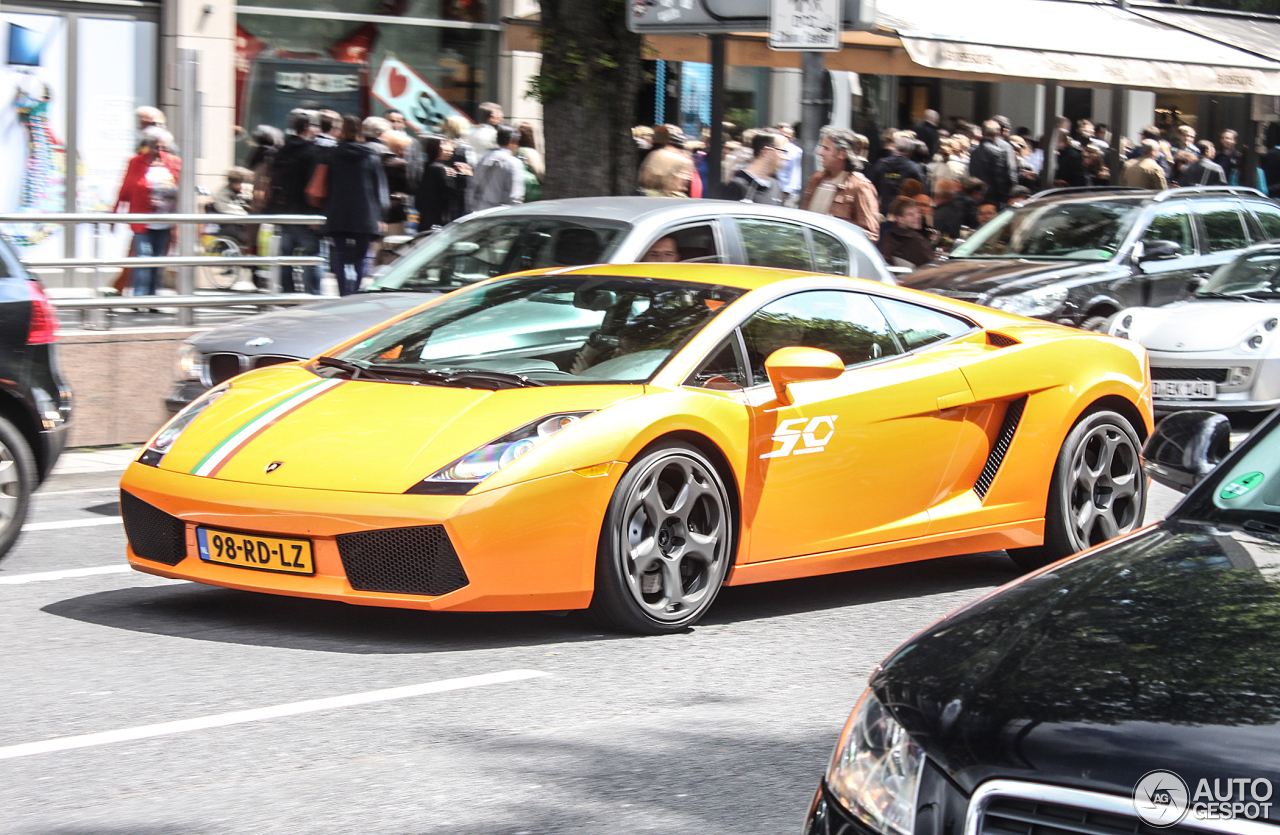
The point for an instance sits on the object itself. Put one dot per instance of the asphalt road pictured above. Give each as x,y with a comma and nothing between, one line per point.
143,706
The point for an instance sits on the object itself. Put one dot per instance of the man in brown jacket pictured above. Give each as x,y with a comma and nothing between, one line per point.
839,189
1143,171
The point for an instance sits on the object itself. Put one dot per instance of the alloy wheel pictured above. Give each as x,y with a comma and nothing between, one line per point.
1104,499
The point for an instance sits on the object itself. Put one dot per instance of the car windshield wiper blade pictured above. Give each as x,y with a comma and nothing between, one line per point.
492,380
356,371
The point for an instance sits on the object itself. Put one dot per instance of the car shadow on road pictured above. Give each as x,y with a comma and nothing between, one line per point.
209,613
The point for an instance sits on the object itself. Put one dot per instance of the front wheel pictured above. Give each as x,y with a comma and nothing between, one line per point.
17,482
1098,491
666,544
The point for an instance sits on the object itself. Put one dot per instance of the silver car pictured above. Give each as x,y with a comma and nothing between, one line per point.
1219,350
552,233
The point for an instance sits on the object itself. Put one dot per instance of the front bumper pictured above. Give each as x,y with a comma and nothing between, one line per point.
527,547
1260,393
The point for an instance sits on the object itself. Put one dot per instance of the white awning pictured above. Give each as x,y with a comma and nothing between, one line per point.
1072,40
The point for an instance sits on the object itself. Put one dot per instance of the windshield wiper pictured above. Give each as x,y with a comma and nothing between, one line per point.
356,371
492,380
1244,297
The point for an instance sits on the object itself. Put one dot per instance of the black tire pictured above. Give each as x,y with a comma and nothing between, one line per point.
653,577
17,482
1098,490
1095,323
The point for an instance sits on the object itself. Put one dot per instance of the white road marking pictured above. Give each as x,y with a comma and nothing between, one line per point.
41,493
71,523
68,743
65,574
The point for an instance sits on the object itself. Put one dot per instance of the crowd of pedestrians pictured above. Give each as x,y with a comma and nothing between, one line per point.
369,178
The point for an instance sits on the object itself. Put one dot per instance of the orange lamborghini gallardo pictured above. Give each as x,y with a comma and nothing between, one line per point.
628,439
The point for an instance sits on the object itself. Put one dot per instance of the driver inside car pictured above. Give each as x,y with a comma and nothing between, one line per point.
663,251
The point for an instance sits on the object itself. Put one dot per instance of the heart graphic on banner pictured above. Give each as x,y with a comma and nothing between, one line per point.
396,83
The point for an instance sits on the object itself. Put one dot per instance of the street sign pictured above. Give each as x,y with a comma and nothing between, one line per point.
704,17
805,25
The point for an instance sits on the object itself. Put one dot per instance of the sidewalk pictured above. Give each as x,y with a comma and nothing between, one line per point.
89,460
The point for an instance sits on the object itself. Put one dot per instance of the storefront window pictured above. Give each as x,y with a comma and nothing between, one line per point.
437,63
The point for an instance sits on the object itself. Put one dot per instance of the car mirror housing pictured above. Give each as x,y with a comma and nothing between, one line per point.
1159,251
799,365
1186,447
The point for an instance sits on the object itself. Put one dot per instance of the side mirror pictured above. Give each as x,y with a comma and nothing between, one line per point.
464,248
799,365
1158,251
1186,447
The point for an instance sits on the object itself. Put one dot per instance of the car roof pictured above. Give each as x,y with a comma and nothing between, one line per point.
728,275
1113,194
634,209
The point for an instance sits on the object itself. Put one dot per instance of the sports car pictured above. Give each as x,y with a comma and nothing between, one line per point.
682,427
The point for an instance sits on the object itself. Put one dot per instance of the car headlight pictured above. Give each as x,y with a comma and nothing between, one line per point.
168,434
876,769
1042,302
189,362
474,467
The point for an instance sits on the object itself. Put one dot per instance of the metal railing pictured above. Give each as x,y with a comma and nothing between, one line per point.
186,300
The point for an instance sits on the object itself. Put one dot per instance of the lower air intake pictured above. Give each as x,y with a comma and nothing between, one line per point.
402,560
153,534
1012,417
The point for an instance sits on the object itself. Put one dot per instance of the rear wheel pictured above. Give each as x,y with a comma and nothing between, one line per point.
222,278
666,544
1098,491
17,481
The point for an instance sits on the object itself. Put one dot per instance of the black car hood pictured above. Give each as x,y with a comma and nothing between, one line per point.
973,278
1159,651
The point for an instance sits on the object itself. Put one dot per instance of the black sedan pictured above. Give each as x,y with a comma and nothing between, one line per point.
1132,688
35,402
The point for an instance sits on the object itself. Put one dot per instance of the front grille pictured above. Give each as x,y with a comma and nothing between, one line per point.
153,534
1016,816
1012,416
1164,372
417,560
223,367
270,359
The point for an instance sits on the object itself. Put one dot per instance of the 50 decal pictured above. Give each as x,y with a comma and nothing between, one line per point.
815,434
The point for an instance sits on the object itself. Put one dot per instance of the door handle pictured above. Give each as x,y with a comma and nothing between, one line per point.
959,398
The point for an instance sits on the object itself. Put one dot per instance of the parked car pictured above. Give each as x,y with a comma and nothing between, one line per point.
550,233
35,402
1111,693
1078,255
679,420
1220,349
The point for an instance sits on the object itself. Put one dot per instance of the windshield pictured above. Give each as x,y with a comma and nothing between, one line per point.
1247,493
1257,274
542,330
1067,231
473,250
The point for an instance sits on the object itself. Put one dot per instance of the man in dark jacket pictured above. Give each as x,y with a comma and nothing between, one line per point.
889,172
927,131
1204,171
1229,156
757,182
995,163
291,171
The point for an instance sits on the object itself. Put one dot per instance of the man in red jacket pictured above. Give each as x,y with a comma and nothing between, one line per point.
150,187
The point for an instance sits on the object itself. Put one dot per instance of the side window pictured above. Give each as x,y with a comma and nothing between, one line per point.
722,370
1172,225
1223,227
772,244
918,326
830,255
1268,218
692,243
847,324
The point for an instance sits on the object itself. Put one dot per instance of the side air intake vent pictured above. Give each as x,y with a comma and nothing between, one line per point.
153,534
999,340
402,560
1012,417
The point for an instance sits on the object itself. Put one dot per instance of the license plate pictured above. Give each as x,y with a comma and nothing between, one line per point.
1185,389
265,553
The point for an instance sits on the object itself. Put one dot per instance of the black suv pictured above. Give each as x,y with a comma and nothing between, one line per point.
1077,255
35,402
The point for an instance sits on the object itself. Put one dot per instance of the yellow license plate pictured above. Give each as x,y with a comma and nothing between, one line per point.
265,553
